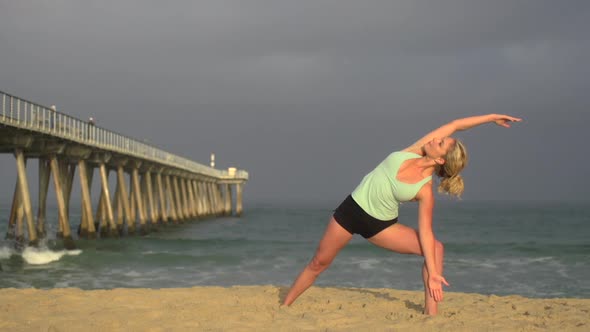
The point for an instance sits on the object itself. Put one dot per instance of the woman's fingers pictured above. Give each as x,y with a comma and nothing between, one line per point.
435,289
436,294
504,123
510,118
504,120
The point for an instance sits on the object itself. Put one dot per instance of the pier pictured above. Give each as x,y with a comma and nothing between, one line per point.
153,187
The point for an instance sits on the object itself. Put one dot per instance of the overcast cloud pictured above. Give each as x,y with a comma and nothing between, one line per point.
308,96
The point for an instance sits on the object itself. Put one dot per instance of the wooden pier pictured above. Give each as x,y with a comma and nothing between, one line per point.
153,187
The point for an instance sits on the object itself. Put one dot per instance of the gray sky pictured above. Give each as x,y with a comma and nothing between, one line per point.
309,96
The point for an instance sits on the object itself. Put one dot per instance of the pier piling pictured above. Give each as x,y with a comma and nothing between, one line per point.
44,173
25,195
87,224
66,235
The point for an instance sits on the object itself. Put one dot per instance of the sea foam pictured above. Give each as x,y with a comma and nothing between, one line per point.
5,253
42,256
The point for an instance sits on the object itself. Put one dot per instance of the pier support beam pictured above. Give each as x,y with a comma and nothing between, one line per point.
211,194
118,207
198,208
87,227
138,200
216,200
104,180
144,200
160,189
131,198
150,197
200,205
87,216
239,199
177,199
101,215
67,173
184,198
212,198
25,195
156,198
18,221
189,199
58,182
220,204
124,200
206,203
204,198
171,202
192,198
227,199
44,173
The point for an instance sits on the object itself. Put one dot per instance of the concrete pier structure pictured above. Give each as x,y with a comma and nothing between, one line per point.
153,187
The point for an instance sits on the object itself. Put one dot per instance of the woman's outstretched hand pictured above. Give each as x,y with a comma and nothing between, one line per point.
435,287
504,120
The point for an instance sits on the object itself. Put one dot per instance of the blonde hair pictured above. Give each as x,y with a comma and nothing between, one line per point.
455,160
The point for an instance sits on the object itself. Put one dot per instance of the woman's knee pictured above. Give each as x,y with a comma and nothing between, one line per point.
318,264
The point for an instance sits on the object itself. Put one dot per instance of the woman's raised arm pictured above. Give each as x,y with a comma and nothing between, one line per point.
462,124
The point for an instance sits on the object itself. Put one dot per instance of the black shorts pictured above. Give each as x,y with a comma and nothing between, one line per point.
356,221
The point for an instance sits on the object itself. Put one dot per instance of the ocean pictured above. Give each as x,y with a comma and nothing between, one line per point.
533,249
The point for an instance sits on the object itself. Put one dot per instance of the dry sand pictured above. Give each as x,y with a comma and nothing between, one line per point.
256,308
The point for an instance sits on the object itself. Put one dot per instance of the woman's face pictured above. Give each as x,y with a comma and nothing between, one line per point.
438,147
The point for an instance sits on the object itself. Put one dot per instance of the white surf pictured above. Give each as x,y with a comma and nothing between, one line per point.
40,256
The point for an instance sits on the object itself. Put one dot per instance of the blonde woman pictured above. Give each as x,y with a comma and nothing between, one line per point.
372,208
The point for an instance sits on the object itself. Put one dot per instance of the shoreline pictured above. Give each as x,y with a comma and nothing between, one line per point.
257,308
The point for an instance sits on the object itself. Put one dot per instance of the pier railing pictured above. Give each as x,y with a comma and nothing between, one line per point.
24,114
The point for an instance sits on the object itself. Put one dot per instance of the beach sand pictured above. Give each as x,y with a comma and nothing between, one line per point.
256,308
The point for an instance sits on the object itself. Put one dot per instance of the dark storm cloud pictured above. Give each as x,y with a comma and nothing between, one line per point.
291,90
265,51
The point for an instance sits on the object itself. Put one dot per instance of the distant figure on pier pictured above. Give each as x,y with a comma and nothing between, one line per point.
371,210
52,117
91,124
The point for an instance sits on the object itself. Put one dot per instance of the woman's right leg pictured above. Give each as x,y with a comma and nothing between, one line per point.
334,239
405,240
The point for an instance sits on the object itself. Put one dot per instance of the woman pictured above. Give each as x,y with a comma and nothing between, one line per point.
372,208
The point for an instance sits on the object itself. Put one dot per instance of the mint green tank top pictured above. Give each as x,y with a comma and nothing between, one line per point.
380,193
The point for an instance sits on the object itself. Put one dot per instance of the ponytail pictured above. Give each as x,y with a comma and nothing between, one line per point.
455,160
452,185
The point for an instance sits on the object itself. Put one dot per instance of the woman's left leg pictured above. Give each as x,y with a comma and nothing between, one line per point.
334,239
405,240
